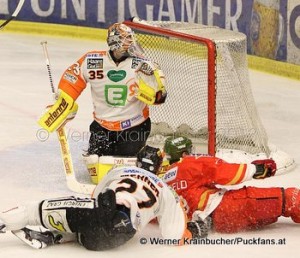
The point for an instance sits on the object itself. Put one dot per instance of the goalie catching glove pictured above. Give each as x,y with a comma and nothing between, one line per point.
62,111
150,80
264,168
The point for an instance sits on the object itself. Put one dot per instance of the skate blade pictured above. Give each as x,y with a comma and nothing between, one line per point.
34,243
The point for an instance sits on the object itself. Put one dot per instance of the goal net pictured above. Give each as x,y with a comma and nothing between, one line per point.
209,94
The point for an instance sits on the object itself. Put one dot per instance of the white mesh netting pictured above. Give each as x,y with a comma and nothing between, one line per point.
239,131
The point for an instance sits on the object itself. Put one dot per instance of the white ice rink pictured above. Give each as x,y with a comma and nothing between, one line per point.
31,169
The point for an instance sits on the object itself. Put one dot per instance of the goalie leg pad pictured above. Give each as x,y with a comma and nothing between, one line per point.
98,167
248,208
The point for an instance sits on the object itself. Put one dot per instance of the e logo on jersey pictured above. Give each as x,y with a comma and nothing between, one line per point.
116,95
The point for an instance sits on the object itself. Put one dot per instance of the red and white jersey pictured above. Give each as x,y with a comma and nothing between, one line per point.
112,86
198,179
148,197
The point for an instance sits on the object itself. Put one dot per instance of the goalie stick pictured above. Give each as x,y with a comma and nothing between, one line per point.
14,15
72,182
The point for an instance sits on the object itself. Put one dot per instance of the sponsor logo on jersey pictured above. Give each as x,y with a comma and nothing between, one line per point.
136,118
94,63
132,121
116,95
94,55
125,124
170,175
57,222
68,203
157,181
131,171
153,177
116,76
70,77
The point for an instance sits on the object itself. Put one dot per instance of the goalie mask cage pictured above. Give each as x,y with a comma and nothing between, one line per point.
209,94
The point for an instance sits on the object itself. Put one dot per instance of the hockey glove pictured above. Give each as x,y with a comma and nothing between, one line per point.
198,229
150,81
57,115
264,168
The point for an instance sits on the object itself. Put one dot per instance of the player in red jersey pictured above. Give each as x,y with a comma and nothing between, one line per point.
202,181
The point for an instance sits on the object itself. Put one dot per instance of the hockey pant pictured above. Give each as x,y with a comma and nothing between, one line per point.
252,208
118,143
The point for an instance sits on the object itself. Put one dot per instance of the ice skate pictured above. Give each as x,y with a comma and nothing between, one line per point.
36,239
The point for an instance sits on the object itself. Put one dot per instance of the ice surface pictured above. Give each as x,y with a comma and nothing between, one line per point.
31,169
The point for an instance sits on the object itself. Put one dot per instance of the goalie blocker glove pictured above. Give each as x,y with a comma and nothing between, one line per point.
264,168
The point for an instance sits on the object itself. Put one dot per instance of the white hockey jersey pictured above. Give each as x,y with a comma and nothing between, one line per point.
113,88
147,197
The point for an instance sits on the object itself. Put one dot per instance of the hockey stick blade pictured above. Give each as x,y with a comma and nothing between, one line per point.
14,15
72,182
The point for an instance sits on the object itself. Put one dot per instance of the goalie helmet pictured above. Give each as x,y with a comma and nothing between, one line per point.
149,158
121,38
175,146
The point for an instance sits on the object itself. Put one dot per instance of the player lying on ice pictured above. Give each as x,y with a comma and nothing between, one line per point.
200,181
125,201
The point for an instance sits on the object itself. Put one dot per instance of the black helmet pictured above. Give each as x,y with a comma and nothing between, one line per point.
149,158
